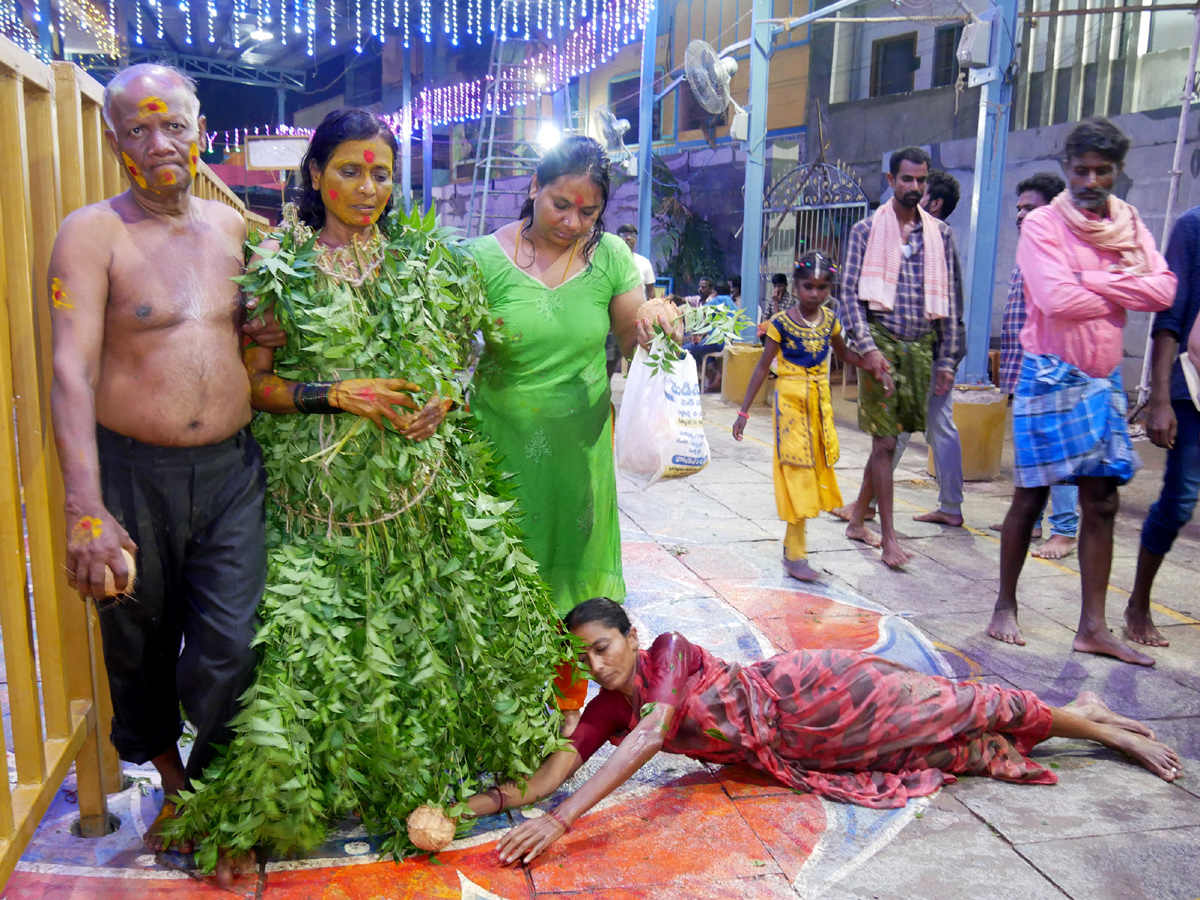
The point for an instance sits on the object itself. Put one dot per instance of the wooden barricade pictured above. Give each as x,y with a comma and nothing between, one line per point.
53,159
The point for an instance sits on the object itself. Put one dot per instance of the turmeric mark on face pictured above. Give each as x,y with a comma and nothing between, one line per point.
134,172
193,158
153,106
59,295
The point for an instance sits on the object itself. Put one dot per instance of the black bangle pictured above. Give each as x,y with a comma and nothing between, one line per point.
313,397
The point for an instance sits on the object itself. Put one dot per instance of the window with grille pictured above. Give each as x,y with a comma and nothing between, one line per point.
945,50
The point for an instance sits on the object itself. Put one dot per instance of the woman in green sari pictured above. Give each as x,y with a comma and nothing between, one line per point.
556,284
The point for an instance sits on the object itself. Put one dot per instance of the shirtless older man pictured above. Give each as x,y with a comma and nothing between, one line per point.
151,407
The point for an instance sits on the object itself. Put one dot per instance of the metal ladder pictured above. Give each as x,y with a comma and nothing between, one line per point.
481,188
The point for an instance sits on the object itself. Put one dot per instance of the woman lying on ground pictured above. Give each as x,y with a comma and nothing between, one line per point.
843,724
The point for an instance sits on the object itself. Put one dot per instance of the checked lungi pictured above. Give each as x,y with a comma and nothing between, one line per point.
1067,424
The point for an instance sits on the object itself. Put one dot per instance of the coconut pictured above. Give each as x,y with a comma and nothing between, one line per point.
110,584
651,310
430,829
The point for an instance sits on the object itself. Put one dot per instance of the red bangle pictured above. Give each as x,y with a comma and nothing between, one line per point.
743,415
559,819
500,798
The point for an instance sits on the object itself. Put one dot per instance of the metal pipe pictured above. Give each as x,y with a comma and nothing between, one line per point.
991,148
1189,86
406,129
645,207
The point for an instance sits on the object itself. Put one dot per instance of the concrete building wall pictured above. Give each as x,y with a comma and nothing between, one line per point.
1145,185
851,76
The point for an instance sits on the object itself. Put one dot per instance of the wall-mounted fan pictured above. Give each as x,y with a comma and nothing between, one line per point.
708,75
612,136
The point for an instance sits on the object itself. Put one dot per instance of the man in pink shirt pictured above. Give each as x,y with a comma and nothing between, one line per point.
1086,258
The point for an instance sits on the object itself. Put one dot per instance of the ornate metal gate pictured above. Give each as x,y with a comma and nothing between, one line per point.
812,207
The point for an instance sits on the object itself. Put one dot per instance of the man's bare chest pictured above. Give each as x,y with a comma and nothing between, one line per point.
162,281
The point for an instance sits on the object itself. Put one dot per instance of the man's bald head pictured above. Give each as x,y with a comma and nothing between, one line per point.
152,80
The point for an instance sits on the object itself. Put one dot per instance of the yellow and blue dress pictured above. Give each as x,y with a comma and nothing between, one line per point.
806,443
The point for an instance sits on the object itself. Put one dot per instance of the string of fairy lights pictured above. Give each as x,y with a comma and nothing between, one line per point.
547,71
217,22
591,32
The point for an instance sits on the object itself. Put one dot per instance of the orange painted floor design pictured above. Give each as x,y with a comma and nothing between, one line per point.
678,830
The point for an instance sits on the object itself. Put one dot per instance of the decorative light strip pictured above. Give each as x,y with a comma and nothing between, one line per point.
586,47
13,27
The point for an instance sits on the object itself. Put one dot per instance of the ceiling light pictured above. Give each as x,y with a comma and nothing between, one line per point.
258,34
548,135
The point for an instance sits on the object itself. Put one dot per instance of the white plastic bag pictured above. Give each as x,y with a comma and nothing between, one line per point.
660,432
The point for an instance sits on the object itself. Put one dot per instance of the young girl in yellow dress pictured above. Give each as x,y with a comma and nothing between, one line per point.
806,444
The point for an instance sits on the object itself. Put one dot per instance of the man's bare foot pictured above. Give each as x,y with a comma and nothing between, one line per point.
1036,534
846,513
864,534
894,556
1140,629
1106,643
229,866
800,570
571,719
1004,627
1089,705
940,518
153,838
1158,758
1058,547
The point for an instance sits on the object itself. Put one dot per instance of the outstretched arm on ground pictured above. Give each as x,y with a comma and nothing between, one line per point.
532,836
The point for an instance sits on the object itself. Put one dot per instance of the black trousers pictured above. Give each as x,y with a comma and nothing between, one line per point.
183,637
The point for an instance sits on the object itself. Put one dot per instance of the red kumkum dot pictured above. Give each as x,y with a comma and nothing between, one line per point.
578,200
369,155
333,195
366,220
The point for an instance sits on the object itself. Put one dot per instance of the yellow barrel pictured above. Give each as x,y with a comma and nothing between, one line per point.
739,362
980,414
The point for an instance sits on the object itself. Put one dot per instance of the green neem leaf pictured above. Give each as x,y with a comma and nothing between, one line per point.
400,662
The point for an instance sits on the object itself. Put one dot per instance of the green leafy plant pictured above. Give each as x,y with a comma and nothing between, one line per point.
715,323
686,246
407,644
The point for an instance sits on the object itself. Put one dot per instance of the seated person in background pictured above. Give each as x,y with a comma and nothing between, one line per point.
719,297
843,724
778,301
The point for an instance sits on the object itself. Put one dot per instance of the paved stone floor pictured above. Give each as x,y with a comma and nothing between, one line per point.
702,557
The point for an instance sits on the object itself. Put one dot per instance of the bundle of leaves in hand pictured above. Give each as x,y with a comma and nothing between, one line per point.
714,324
407,644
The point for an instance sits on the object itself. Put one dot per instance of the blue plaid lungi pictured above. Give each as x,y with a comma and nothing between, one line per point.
1067,424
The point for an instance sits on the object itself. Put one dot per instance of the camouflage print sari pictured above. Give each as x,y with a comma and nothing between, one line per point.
840,723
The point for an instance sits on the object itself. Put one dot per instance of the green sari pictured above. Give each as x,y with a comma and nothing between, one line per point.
542,396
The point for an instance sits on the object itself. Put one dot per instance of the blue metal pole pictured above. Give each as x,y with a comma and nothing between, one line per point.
406,142
987,196
45,38
427,133
760,52
646,132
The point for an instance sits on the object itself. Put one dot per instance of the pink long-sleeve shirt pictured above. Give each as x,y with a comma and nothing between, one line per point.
1076,305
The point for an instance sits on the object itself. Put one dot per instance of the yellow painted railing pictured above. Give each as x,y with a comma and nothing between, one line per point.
53,160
